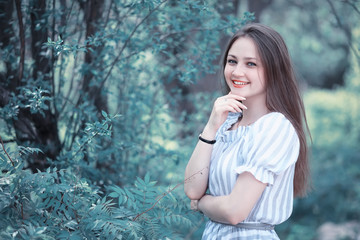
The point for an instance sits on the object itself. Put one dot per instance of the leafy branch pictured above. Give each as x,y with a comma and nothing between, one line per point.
2,144
95,129
169,191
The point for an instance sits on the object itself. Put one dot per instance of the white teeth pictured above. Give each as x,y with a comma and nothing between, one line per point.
240,83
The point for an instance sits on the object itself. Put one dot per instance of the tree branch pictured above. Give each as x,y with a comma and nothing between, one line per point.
353,6
108,14
2,144
126,43
345,29
22,41
53,59
168,192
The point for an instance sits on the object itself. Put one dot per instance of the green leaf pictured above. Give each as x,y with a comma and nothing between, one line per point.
113,195
104,114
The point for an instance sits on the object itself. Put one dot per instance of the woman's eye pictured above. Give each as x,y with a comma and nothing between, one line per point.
231,61
251,64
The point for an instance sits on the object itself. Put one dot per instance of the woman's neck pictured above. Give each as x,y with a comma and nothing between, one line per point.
254,111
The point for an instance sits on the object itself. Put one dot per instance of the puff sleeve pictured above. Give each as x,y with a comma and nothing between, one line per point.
271,147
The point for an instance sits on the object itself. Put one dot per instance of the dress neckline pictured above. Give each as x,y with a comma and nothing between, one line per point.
232,117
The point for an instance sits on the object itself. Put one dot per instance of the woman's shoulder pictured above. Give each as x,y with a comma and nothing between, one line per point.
272,118
273,121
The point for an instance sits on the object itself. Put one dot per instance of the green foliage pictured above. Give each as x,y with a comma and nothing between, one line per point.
156,44
58,204
334,157
113,97
33,98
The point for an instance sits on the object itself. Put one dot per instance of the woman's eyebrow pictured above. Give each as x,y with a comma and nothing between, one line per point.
233,56
245,58
250,58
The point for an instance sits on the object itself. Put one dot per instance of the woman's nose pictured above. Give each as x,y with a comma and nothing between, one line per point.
238,71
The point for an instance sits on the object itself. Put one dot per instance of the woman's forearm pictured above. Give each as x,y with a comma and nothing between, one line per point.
222,209
216,208
197,169
236,206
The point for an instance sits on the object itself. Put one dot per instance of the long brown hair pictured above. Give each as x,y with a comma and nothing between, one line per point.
282,92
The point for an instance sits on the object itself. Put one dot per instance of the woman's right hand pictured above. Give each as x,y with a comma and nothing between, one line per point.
222,106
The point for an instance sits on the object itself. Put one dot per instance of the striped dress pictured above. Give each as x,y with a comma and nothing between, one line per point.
268,149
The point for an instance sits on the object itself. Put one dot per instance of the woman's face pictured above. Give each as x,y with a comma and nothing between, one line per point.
244,71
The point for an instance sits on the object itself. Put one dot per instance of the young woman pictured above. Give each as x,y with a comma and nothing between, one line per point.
252,153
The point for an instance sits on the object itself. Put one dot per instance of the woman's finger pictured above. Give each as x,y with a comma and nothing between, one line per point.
237,97
235,104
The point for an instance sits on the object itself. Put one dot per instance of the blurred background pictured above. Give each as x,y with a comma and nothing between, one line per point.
101,103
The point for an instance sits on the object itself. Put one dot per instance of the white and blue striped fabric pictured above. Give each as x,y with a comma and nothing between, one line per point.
268,149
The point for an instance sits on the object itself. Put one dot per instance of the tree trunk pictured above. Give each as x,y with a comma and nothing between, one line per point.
6,32
93,10
38,129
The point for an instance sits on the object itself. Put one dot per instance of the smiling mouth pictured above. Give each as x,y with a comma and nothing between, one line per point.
239,84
